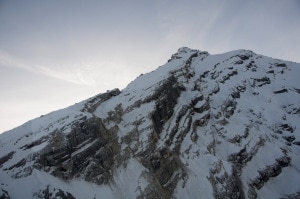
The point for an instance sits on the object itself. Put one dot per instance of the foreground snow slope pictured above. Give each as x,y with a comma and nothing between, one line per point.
200,126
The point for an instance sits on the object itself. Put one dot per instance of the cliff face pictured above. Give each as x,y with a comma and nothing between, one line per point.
200,126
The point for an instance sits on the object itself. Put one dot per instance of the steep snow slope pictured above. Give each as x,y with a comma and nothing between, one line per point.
200,126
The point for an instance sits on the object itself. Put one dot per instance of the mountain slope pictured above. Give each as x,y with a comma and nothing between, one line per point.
200,126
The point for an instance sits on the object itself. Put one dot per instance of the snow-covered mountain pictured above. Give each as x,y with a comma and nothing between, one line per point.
200,126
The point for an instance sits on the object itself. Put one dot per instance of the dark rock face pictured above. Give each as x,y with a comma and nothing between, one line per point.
4,194
6,158
90,148
268,172
231,184
281,91
162,165
93,103
168,95
259,82
48,193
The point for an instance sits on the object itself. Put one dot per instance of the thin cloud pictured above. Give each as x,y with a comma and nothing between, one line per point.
7,60
77,75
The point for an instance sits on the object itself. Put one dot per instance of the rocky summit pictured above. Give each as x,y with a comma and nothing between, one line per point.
200,126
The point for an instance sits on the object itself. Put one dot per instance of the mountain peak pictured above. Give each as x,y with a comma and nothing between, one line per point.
186,53
185,50
200,126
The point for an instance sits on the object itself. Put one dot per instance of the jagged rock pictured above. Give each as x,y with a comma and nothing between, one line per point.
227,77
4,194
239,62
289,138
284,161
168,95
292,196
225,185
68,160
297,143
280,91
92,104
202,106
280,65
6,157
47,193
228,108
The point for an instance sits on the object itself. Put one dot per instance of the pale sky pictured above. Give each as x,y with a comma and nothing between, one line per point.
56,53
